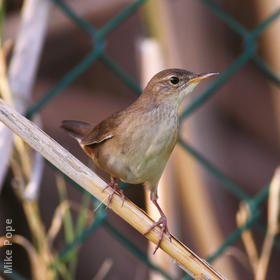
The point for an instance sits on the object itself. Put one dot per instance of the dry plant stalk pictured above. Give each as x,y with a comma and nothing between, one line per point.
273,226
150,57
89,181
260,263
269,48
103,270
6,94
242,217
23,68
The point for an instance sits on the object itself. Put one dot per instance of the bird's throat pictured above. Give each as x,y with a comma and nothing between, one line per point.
186,91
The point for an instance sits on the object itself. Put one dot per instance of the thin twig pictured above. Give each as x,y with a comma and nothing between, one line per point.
273,226
242,217
57,221
239,256
21,240
103,270
90,182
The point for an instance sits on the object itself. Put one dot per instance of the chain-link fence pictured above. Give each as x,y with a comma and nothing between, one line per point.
98,37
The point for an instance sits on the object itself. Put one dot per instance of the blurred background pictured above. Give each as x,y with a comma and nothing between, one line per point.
234,130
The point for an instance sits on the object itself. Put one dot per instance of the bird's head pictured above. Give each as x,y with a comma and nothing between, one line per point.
174,84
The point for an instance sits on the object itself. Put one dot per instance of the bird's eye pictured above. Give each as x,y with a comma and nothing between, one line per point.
174,80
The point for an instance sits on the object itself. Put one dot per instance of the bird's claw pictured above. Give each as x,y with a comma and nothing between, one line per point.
163,229
114,185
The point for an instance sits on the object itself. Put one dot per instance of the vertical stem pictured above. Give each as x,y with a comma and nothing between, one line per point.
269,46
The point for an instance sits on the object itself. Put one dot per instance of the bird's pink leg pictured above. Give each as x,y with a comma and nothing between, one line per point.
162,221
114,185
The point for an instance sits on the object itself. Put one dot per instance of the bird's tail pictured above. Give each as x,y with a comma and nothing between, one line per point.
77,129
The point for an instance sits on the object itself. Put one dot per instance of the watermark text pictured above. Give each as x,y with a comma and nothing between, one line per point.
8,255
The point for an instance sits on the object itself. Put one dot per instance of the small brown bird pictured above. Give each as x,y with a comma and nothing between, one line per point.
134,145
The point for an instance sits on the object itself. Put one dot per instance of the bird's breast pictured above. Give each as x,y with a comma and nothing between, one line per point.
142,146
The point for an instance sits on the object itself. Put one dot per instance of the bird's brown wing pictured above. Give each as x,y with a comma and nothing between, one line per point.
103,131
96,136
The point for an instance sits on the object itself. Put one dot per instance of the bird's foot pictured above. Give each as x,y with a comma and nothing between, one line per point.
114,185
163,229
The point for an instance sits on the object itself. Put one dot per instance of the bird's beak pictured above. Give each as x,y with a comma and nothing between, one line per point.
202,76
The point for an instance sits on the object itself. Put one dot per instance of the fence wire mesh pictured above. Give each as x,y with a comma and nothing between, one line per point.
98,38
